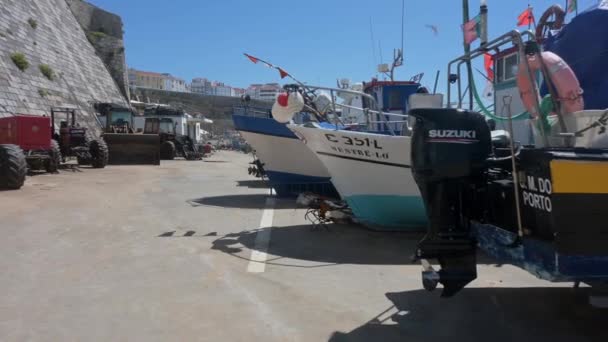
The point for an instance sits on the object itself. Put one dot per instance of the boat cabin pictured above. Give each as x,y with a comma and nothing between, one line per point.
506,66
391,97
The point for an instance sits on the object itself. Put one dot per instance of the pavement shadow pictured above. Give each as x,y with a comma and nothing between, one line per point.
247,201
35,173
253,184
485,314
343,244
244,201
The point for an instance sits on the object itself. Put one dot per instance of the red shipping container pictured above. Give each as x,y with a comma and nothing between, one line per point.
27,131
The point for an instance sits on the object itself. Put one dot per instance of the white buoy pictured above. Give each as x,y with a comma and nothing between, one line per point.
286,106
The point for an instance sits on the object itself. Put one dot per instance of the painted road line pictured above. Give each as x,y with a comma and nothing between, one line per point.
257,261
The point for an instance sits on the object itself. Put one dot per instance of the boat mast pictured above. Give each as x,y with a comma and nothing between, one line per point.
467,48
398,54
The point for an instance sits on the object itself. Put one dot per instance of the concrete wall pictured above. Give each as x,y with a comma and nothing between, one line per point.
59,41
218,108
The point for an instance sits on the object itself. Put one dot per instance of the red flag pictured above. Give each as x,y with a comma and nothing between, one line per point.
488,63
251,58
526,18
472,29
283,73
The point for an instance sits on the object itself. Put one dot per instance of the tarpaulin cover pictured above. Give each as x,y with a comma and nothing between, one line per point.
583,44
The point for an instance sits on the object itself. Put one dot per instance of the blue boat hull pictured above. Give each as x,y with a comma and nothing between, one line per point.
539,257
291,168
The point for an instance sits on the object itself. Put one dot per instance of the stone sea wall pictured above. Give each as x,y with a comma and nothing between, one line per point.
104,31
47,59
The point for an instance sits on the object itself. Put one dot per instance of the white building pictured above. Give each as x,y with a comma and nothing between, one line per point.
237,92
264,92
201,86
253,91
154,80
206,87
173,83
220,89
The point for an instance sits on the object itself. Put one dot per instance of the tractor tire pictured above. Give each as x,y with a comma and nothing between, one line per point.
83,161
55,154
13,167
167,150
99,153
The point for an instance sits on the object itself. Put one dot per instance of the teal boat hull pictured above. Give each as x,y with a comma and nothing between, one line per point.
389,212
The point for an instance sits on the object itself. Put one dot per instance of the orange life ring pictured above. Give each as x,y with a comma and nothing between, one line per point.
569,92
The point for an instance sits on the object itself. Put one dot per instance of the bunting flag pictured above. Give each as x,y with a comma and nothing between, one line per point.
282,72
572,6
251,58
472,30
526,18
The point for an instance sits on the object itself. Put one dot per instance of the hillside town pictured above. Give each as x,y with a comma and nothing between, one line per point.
200,85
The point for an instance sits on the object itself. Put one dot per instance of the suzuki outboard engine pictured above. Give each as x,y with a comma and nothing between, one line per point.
450,148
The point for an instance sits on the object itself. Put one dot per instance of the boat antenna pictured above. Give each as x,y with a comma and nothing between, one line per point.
467,47
371,32
402,24
398,53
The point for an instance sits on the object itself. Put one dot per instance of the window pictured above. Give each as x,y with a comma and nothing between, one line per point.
510,67
395,99
506,68
499,70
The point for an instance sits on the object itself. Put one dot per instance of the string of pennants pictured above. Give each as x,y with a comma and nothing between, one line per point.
282,72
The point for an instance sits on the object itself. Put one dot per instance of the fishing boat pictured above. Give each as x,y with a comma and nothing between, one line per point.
367,162
367,150
290,166
541,206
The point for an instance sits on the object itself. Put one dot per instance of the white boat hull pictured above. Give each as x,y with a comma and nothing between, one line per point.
285,155
371,172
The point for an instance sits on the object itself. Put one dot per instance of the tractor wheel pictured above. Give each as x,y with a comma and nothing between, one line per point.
83,161
167,150
99,153
55,154
13,167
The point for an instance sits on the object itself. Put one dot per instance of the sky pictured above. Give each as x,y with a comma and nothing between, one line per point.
317,41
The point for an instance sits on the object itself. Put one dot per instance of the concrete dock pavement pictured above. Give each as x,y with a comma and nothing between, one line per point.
141,253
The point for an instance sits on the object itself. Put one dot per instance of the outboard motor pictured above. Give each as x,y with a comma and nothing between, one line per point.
450,148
